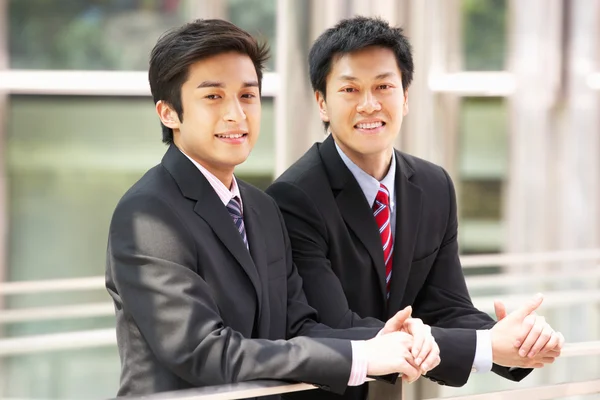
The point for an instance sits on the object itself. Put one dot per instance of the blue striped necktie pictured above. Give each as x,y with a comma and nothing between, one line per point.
235,210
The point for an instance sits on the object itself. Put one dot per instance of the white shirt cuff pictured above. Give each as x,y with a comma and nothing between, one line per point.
483,352
358,373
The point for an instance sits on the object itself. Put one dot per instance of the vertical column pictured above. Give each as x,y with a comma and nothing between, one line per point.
430,129
579,150
535,60
3,170
417,136
297,123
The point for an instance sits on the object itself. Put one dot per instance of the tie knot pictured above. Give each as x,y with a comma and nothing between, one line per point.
383,196
234,207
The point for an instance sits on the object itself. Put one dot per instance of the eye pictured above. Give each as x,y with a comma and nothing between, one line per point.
349,90
385,86
212,96
249,96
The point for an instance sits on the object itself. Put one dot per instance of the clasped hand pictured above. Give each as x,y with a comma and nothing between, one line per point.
404,345
523,338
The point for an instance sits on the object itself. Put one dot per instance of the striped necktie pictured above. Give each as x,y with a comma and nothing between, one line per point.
381,211
235,210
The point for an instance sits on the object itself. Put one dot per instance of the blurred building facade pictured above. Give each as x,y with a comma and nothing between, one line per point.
506,97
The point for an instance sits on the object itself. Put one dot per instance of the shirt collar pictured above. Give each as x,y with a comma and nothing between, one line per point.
370,185
222,191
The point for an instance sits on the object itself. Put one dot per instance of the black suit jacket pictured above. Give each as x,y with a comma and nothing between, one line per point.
194,307
337,249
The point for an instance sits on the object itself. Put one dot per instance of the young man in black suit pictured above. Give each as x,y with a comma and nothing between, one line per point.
374,230
199,263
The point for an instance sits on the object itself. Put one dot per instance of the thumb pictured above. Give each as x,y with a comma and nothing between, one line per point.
529,307
500,310
395,323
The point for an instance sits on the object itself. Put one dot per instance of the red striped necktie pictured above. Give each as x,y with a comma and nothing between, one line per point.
381,211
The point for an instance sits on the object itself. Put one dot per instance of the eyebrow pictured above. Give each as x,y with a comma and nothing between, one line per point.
215,84
380,76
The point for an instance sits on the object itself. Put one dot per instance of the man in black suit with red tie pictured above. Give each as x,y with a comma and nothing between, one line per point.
374,229
199,263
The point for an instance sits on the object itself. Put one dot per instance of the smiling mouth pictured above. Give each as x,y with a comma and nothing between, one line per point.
232,136
370,125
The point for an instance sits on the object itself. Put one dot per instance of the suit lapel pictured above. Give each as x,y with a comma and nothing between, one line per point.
258,250
408,211
354,208
209,207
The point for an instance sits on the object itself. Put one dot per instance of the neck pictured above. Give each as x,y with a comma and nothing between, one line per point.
377,165
222,173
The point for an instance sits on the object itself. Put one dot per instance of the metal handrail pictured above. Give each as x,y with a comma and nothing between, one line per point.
468,261
537,393
552,299
107,337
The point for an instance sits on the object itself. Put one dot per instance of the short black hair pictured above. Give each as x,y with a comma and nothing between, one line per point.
179,48
354,34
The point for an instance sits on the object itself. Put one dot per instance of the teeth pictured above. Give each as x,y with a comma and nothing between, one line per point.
236,136
371,125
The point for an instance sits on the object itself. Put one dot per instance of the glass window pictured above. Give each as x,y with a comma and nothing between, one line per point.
484,34
483,168
111,34
258,17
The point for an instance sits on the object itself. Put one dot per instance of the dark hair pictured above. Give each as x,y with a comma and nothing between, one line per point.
355,34
179,48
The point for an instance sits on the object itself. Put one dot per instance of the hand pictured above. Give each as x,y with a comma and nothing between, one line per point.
536,335
390,353
510,329
425,351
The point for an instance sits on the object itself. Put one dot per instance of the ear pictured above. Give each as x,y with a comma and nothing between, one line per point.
167,115
322,106
405,105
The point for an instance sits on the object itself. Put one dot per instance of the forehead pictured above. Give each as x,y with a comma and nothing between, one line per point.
224,67
368,62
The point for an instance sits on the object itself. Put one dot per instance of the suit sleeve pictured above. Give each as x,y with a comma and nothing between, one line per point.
310,246
444,302
152,260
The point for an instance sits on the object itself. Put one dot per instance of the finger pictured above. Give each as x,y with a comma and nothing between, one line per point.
561,340
526,326
532,337
395,323
410,378
408,371
417,329
432,360
538,365
550,353
529,307
542,341
500,310
552,343
428,345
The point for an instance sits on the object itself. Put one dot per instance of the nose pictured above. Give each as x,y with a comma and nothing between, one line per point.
368,103
234,111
